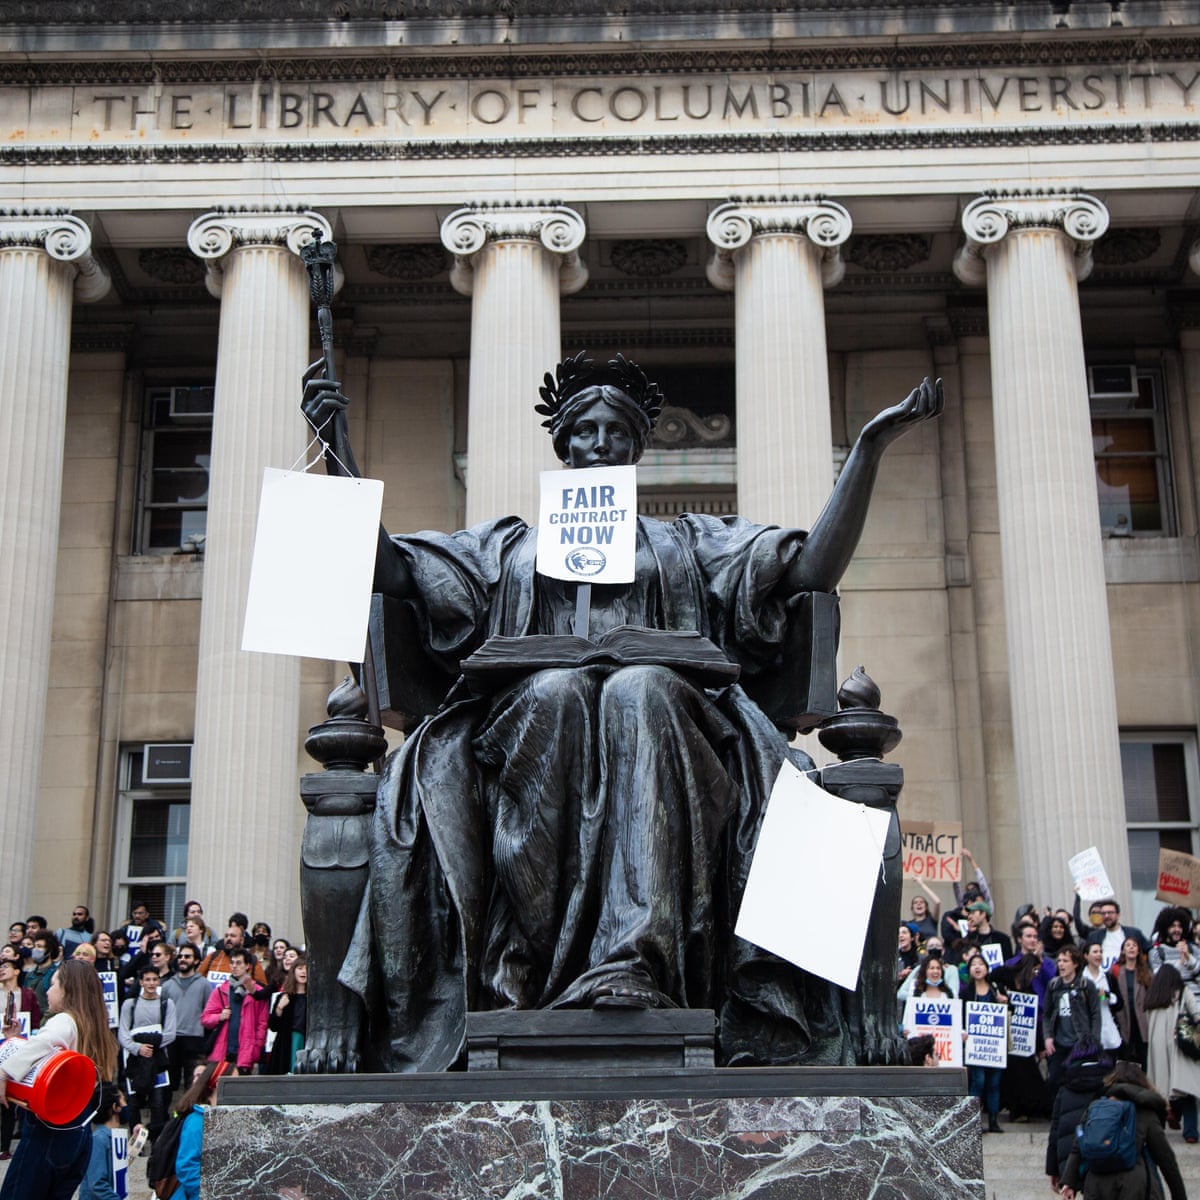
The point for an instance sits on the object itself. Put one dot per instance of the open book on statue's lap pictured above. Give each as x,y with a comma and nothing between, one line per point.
502,660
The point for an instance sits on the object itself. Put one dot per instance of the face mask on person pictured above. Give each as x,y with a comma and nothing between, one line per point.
38,954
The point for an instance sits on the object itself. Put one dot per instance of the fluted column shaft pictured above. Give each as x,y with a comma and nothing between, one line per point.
514,263
778,257
242,852
44,260
1064,709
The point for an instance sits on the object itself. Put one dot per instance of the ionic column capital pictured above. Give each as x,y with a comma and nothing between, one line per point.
63,237
731,226
560,230
212,236
988,219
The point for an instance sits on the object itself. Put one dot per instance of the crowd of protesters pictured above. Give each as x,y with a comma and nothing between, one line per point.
1109,997
182,1009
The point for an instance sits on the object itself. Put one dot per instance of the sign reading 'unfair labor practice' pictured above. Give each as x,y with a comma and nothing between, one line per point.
587,525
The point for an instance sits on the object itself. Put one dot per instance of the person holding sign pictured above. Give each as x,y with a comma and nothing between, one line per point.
984,1081
51,1162
581,836
22,1016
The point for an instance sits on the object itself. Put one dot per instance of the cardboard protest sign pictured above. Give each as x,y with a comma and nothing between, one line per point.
813,845
587,525
993,954
987,1035
1178,878
1022,1025
932,850
1090,876
941,1017
314,562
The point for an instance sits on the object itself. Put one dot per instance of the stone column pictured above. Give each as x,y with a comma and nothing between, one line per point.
242,843
1030,251
777,256
514,263
45,265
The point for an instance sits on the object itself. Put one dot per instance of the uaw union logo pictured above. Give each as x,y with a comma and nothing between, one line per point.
586,562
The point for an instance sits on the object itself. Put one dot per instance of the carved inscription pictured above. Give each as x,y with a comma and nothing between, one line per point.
454,108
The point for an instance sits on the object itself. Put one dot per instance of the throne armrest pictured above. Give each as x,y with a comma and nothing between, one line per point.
799,690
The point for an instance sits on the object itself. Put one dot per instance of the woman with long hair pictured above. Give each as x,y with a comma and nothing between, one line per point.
289,1019
1131,979
50,1163
202,1094
908,953
1127,1081
984,1082
1175,1076
1110,999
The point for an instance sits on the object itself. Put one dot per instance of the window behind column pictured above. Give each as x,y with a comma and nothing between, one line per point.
173,481
151,843
1129,440
1159,774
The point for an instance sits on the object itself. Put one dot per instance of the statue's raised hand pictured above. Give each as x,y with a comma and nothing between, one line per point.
921,404
322,400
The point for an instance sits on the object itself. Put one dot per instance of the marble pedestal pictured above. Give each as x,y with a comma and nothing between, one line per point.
885,1133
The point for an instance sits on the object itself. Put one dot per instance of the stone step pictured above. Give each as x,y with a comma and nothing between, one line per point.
1014,1162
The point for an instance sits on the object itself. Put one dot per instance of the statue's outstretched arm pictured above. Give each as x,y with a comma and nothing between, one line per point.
836,532
324,407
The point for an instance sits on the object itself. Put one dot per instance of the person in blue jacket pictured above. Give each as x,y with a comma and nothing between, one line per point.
202,1094
107,1175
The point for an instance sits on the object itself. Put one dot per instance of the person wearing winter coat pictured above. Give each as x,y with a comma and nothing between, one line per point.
1083,1081
1176,1076
237,1009
1131,979
1128,1082
1072,1013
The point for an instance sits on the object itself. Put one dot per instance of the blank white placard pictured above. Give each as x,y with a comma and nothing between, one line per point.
314,562
813,846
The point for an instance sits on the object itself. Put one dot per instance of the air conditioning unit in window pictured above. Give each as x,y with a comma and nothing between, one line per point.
167,762
192,404
1111,382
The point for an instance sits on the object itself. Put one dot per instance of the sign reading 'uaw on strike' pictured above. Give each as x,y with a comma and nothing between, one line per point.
587,525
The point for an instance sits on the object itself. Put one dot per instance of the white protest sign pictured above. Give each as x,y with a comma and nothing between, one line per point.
1022,1025
108,983
314,561
987,1035
1090,876
587,525
120,1161
940,1017
813,845
993,954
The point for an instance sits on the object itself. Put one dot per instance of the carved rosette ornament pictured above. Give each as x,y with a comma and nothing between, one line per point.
214,235
731,226
987,220
560,230
63,237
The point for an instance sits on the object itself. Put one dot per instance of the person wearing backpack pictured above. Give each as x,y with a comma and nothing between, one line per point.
1083,1081
1096,1179
173,1171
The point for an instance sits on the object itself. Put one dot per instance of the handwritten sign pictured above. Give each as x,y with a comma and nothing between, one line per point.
932,850
587,525
1022,1024
1090,876
1178,878
987,1035
942,1018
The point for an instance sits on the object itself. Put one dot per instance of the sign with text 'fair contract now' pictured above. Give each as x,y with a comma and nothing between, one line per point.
587,525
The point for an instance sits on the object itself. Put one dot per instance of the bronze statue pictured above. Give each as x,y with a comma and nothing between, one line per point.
580,835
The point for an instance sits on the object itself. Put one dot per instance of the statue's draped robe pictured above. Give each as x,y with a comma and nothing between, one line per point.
589,825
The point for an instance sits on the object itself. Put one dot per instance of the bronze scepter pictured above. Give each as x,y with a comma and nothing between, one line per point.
318,257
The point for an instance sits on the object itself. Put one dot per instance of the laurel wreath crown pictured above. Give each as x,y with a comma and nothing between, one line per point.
573,375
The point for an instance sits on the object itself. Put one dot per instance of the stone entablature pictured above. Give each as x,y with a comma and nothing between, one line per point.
436,108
